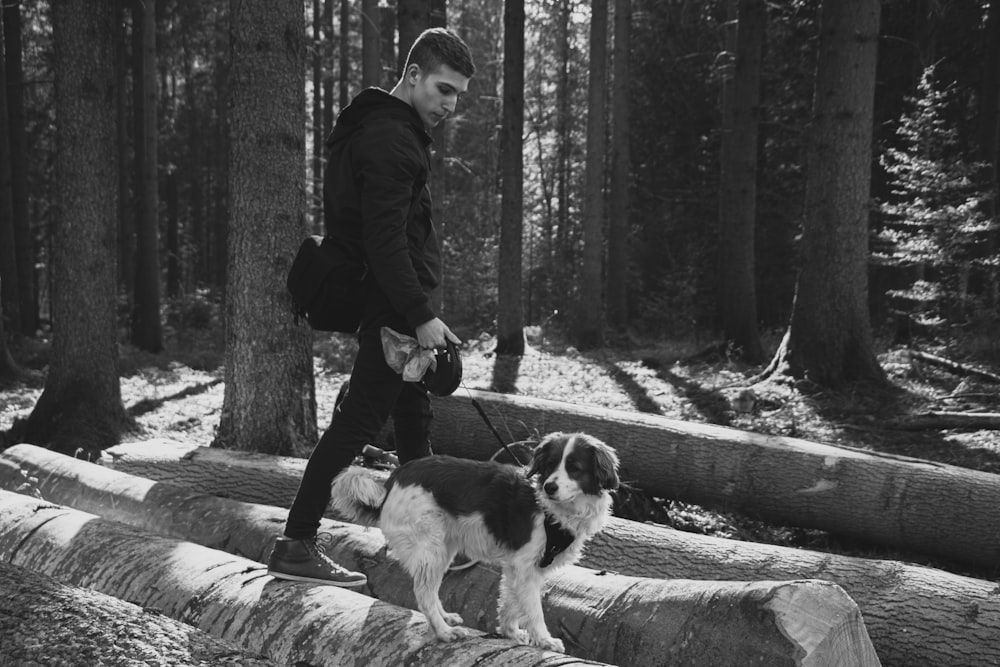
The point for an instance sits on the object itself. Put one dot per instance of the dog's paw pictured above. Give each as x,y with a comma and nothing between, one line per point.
453,619
515,634
548,644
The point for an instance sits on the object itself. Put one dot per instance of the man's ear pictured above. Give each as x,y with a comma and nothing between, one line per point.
412,73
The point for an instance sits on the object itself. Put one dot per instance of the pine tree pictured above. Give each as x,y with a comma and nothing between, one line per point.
935,224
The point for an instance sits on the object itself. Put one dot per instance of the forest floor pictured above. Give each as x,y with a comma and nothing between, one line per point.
178,395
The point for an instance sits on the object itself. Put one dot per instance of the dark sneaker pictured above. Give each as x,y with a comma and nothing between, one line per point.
303,560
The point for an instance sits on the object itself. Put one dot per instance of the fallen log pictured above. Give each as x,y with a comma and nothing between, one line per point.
954,366
44,622
914,615
905,503
233,598
601,616
945,419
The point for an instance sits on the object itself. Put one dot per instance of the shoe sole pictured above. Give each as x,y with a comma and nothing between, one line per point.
324,582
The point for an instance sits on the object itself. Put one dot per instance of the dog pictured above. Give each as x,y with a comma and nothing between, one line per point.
432,509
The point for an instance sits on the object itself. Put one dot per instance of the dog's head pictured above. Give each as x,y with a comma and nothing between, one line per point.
568,464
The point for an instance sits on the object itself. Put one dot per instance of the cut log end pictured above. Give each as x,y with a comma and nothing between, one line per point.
825,622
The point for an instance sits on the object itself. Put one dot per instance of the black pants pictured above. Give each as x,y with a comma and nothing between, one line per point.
374,392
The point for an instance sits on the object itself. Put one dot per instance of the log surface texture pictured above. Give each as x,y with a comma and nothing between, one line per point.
233,598
44,622
901,502
914,615
607,617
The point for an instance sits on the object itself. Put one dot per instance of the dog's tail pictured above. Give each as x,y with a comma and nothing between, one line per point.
357,496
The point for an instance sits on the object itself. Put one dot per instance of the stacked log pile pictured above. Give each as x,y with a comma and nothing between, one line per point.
602,616
904,503
915,615
233,598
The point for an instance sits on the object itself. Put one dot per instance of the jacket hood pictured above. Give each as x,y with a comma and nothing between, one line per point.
372,102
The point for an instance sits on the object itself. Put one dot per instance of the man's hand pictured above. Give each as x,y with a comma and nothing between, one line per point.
432,334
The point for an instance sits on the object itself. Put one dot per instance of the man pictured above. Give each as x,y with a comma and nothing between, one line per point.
376,200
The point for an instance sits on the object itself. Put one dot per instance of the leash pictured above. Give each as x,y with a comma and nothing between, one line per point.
493,430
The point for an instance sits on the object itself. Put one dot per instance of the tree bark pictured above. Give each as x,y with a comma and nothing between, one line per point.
229,597
44,622
738,186
829,339
81,405
371,52
412,18
618,225
147,332
651,618
264,346
510,315
14,69
10,306
905,606
590,302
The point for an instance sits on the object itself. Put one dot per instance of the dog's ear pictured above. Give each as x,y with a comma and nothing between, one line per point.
605,465
541,453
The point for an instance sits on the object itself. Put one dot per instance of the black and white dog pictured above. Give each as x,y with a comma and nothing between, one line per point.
434,508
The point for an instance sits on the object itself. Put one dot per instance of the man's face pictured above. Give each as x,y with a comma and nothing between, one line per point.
435,94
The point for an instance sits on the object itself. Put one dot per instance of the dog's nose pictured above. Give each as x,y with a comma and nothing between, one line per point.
551,488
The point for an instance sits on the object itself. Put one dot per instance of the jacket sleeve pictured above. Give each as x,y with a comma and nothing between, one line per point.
388,163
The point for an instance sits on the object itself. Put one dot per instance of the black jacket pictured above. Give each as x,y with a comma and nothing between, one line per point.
375,198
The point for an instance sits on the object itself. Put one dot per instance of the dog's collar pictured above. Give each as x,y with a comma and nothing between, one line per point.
557,539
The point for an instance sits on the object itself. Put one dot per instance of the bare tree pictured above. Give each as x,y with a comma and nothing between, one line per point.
618,228
510,318
27,312
9,304
81,406
269,403
371,52
147,333
829,339
737,297
590,304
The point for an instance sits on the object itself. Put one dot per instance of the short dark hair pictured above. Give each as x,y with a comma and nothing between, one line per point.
440,46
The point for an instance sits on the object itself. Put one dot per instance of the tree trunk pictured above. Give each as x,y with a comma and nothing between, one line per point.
561,256
904,606
590,303
10,306
371,52
652,618
83,627
147,333
174,269
989,97
345,60
229,597
412,18
387,39
829,339
510,315
126,220
618,226
738,187
317,56
264,346
28,310
81,405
